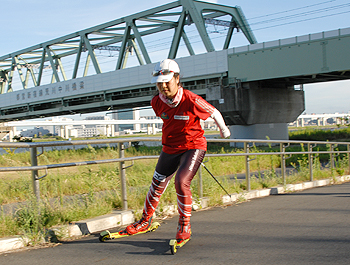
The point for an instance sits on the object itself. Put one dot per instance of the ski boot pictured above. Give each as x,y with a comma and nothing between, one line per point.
140,227
183,235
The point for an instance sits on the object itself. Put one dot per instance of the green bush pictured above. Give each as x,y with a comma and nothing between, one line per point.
311,134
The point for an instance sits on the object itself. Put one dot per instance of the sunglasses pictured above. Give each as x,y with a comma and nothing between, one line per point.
162,72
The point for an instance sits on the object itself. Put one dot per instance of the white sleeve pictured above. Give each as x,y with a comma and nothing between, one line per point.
224,131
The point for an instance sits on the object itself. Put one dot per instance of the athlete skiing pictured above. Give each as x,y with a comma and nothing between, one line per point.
184,146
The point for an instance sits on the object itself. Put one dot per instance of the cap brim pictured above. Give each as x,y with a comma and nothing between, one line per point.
162,78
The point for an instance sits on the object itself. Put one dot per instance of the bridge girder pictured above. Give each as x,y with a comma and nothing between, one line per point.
128,32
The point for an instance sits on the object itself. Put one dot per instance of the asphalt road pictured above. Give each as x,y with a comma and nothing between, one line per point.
308,227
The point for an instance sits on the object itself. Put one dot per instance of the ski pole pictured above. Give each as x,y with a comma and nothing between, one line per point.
215,179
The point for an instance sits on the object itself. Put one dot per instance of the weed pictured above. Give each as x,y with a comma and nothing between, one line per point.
98,186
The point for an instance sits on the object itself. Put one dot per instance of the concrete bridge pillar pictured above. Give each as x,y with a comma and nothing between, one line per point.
137,127
151,129
109,130
62,131
272,131
66,132
12,133
257,110
112,130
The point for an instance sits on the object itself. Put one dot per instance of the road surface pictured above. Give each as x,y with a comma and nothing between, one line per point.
307,227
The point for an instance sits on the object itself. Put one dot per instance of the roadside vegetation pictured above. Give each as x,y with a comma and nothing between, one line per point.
76,193
325,134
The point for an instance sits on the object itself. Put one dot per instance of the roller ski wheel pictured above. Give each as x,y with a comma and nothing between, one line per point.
174,244
106,235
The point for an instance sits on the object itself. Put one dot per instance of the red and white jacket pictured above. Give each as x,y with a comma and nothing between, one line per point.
181,124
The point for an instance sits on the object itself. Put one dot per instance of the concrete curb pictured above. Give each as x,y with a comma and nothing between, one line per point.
119,218
88,226
12,243
84,227
279,190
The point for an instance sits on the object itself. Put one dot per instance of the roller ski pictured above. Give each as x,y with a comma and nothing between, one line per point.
141,227
174,244
183,235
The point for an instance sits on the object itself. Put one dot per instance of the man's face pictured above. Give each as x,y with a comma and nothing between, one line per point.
169,89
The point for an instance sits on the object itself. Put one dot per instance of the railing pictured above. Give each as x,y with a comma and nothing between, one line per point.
294,40
247,144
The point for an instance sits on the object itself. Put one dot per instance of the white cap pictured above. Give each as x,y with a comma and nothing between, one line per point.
164,71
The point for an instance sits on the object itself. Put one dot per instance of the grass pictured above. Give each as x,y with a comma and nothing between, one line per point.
98,186
326,134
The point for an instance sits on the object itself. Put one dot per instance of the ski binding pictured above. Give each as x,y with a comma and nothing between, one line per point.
174,245
106,235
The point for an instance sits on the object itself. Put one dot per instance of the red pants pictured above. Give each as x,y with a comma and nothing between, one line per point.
186,164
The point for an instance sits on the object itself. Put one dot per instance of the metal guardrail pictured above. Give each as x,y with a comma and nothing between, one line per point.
245,143
338,33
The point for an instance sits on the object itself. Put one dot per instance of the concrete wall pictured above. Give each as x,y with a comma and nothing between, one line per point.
257,105
272,131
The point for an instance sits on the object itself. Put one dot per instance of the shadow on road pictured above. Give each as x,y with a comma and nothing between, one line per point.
152,246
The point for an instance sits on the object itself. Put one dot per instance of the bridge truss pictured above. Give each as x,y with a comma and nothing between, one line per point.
124,35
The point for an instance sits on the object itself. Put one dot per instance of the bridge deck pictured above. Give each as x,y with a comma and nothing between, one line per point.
316,57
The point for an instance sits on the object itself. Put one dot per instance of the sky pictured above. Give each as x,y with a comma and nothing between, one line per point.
30,22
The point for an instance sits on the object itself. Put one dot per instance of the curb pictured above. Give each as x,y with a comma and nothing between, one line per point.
84,227
11,243
280,190
88,226
119,218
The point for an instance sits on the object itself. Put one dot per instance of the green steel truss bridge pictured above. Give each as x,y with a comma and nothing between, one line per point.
253,84
126,35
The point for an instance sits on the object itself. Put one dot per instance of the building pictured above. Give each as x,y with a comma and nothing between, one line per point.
127,114
321,119
36,132
144,126
94,130
55,129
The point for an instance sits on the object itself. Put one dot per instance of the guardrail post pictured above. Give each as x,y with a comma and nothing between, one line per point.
247,172
283,163
309,149
122,177
332,158
35,175
349,157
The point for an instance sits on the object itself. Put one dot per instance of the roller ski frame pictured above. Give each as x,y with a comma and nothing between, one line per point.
106,235
174,245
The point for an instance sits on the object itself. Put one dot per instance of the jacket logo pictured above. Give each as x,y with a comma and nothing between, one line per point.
164,116
181,117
